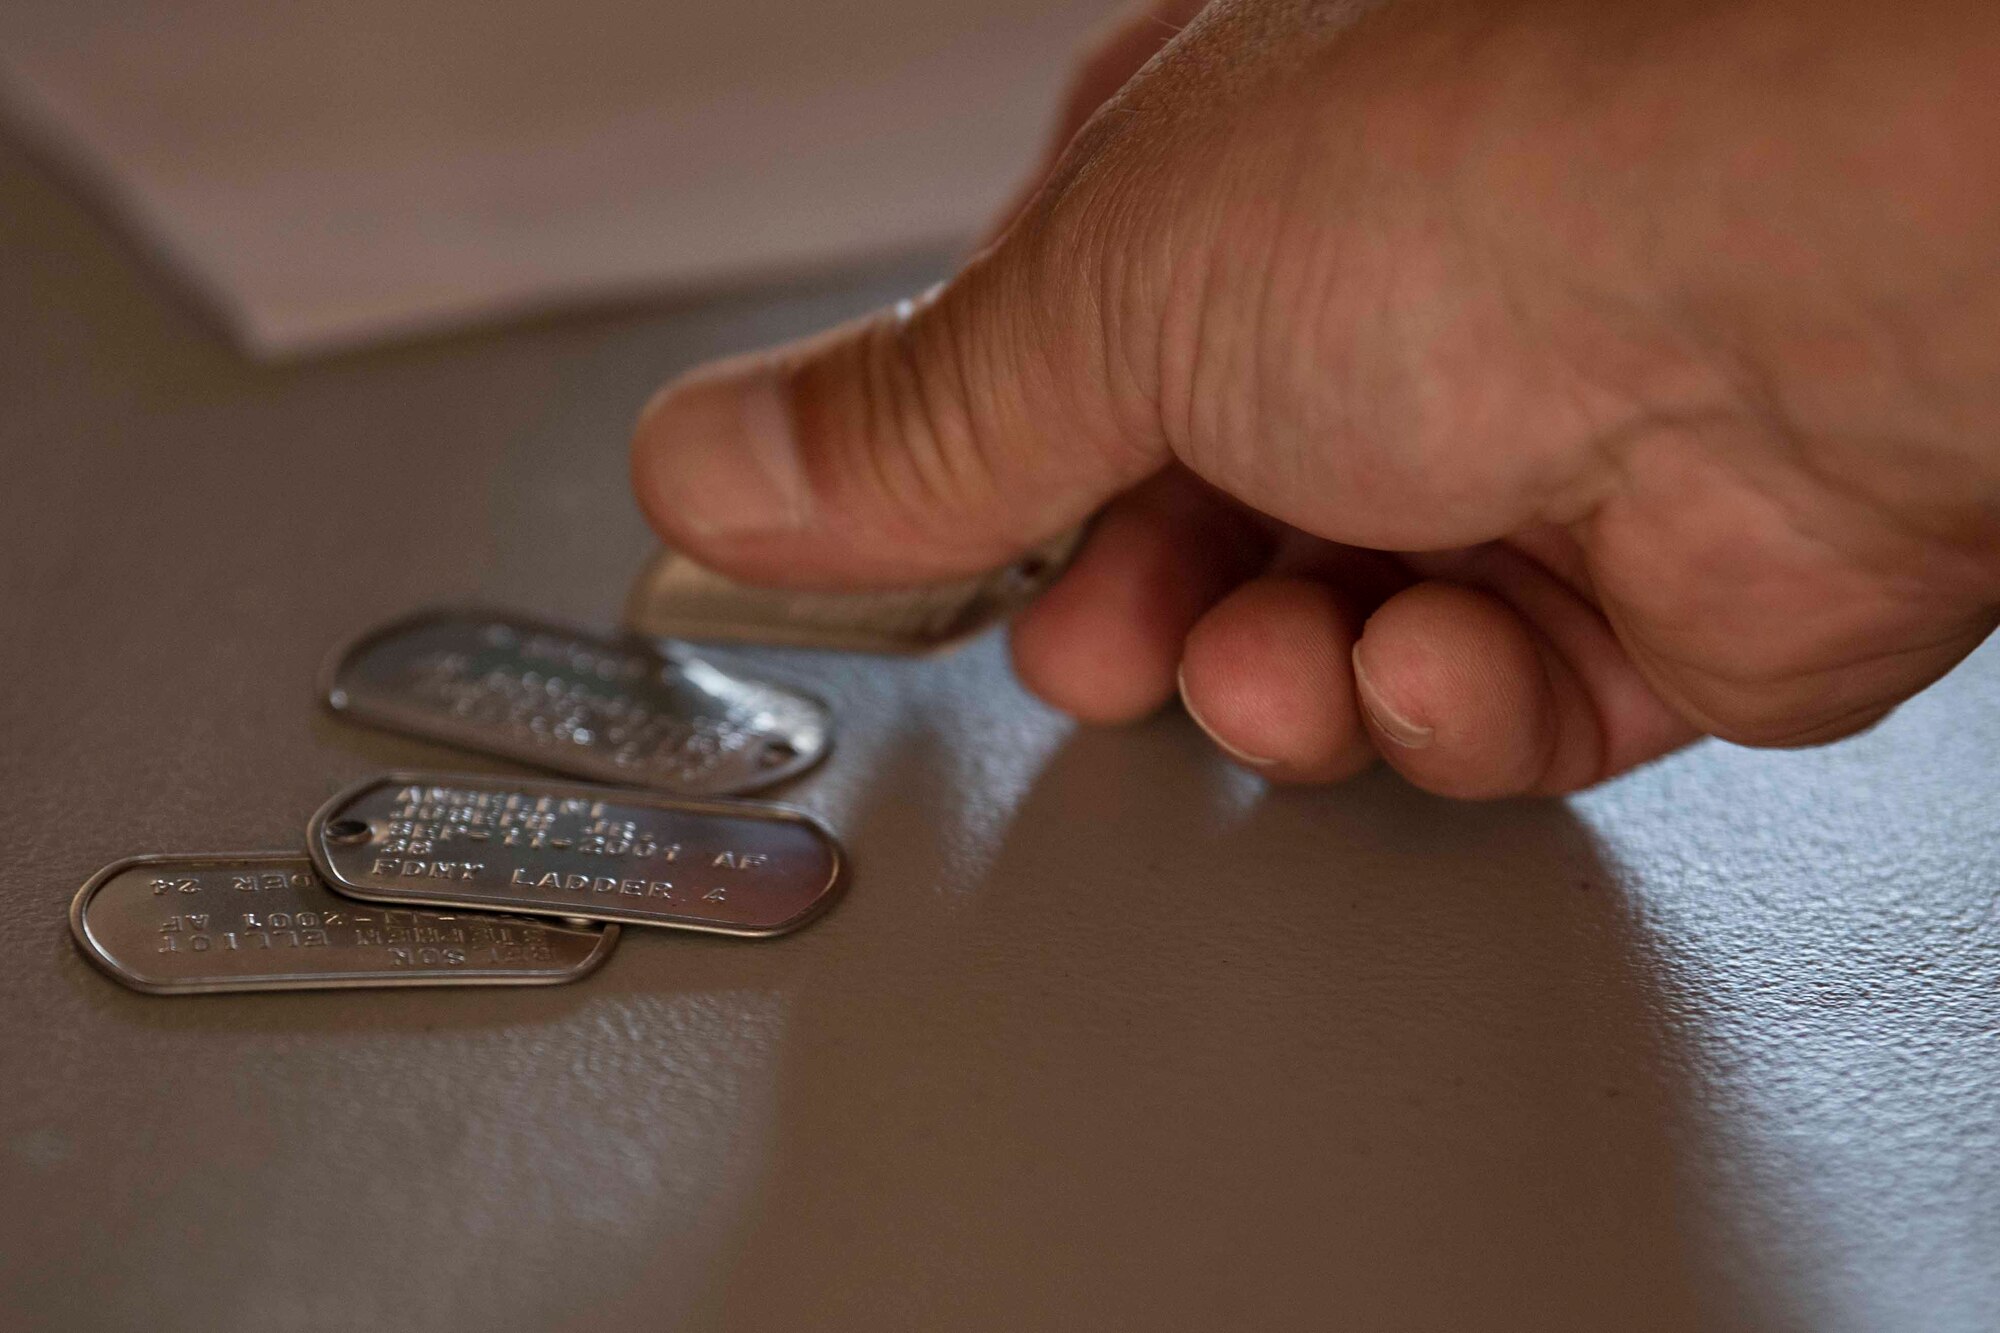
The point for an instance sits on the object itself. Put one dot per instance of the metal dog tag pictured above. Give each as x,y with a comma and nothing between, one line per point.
263,921
576,851
611,709
676,598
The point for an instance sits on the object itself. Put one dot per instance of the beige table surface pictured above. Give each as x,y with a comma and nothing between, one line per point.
1105,1036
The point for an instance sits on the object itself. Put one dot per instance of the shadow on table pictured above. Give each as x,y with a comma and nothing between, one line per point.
1196,1054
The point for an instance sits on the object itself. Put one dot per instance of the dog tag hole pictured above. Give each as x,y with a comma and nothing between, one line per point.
347,831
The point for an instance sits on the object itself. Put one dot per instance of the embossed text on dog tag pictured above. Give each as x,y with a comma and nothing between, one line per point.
264,921
567,849
610,709
676,598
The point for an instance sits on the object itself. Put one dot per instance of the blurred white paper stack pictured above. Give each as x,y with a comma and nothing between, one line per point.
333,172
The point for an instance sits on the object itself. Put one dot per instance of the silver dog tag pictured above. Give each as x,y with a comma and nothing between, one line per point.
610,709
263,921
601,853
678,599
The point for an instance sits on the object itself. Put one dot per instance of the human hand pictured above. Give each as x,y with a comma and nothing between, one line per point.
1512,390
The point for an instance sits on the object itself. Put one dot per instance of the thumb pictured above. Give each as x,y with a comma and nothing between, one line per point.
951,433
935,439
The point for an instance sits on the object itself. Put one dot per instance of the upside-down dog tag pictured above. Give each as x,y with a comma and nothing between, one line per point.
612,709
265,921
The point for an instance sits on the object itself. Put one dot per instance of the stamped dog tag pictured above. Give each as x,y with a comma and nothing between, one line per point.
509,844
263,921
610,709
678,599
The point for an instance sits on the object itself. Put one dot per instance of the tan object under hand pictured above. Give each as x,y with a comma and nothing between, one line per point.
331,173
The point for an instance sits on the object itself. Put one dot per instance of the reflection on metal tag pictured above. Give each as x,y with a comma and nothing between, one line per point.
611,709
264,921
508,844
678,599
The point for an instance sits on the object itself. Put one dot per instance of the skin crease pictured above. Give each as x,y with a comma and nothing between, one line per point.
1514,391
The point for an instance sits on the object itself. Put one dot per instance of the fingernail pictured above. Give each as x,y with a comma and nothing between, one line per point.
1387,720
718,451
1240,756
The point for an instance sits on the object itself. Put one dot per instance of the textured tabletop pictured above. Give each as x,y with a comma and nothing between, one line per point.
1105,1035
